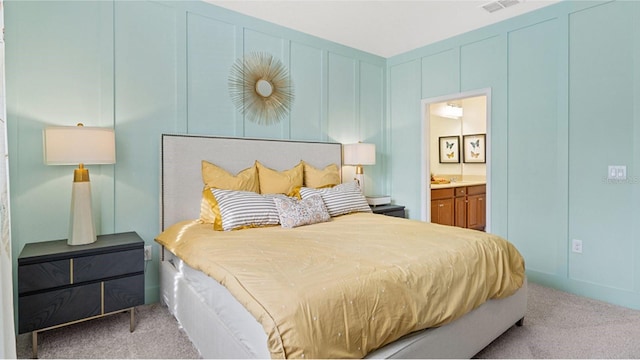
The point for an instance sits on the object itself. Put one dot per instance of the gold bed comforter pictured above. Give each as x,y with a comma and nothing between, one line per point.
343,288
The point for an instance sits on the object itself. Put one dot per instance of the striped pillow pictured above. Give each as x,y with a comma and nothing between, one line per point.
246,209
341,199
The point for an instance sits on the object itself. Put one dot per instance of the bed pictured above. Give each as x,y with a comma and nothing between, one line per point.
216,321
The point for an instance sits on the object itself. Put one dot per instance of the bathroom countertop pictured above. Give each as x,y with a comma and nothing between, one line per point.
458,184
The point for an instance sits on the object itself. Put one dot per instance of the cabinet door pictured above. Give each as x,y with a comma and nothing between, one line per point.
461,212
476,212
442,211
434,211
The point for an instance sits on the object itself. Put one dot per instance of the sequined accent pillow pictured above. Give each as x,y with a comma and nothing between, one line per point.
294,213
341,199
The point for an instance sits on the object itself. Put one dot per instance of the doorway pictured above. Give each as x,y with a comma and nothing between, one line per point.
456,146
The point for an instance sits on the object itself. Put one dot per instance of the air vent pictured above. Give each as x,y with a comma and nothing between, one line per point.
499,5
507,3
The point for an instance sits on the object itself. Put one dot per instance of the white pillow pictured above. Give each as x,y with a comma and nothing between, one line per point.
242,209
294,213
341,199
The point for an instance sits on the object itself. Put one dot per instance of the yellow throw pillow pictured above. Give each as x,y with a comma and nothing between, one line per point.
214,176
218,178
210,211
280,182
316,178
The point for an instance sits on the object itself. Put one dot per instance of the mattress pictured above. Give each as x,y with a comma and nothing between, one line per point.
238,321
221,328
293,284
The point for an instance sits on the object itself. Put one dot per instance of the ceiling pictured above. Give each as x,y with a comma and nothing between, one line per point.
383,27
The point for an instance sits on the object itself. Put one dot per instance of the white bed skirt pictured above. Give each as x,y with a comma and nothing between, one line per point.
220,327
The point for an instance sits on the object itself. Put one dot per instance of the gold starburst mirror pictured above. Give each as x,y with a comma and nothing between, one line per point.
260,87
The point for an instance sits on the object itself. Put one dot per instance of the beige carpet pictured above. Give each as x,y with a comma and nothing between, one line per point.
558,325
156,336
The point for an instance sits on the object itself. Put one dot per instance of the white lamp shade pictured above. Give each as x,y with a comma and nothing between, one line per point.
72,145
359,154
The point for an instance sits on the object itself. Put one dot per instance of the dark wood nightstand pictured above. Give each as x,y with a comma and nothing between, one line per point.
59,284
389,210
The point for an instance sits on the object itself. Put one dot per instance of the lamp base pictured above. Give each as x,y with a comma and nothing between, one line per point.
360,179
81,228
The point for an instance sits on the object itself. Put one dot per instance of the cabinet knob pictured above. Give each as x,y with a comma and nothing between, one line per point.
440,205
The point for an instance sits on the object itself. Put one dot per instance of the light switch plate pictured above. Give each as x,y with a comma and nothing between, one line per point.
617,172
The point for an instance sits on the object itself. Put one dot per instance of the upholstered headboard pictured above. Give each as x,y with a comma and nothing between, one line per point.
181,181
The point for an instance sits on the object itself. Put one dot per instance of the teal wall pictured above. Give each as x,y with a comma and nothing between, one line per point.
565,86
147,68
564,95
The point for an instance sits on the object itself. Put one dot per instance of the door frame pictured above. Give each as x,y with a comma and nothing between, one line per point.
425,191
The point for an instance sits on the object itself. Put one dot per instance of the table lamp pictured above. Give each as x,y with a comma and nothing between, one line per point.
79,145
359,154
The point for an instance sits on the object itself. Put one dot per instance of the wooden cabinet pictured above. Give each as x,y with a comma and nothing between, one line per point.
476,207
462,206
59,284
442,206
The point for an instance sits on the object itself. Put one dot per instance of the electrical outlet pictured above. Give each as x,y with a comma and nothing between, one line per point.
576,246
147,253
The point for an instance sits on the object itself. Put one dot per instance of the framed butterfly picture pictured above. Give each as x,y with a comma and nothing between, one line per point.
449,149
474,147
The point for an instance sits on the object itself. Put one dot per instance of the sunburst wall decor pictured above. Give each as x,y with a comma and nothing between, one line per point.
260,87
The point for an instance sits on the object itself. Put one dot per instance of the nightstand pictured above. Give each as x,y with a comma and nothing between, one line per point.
60,285
389,210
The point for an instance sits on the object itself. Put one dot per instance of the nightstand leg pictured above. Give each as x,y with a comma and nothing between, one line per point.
34,344
132,320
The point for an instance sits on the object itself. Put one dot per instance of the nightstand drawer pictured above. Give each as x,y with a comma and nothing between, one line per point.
389,210
43,276
58,307
102,266
396,213
123,293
